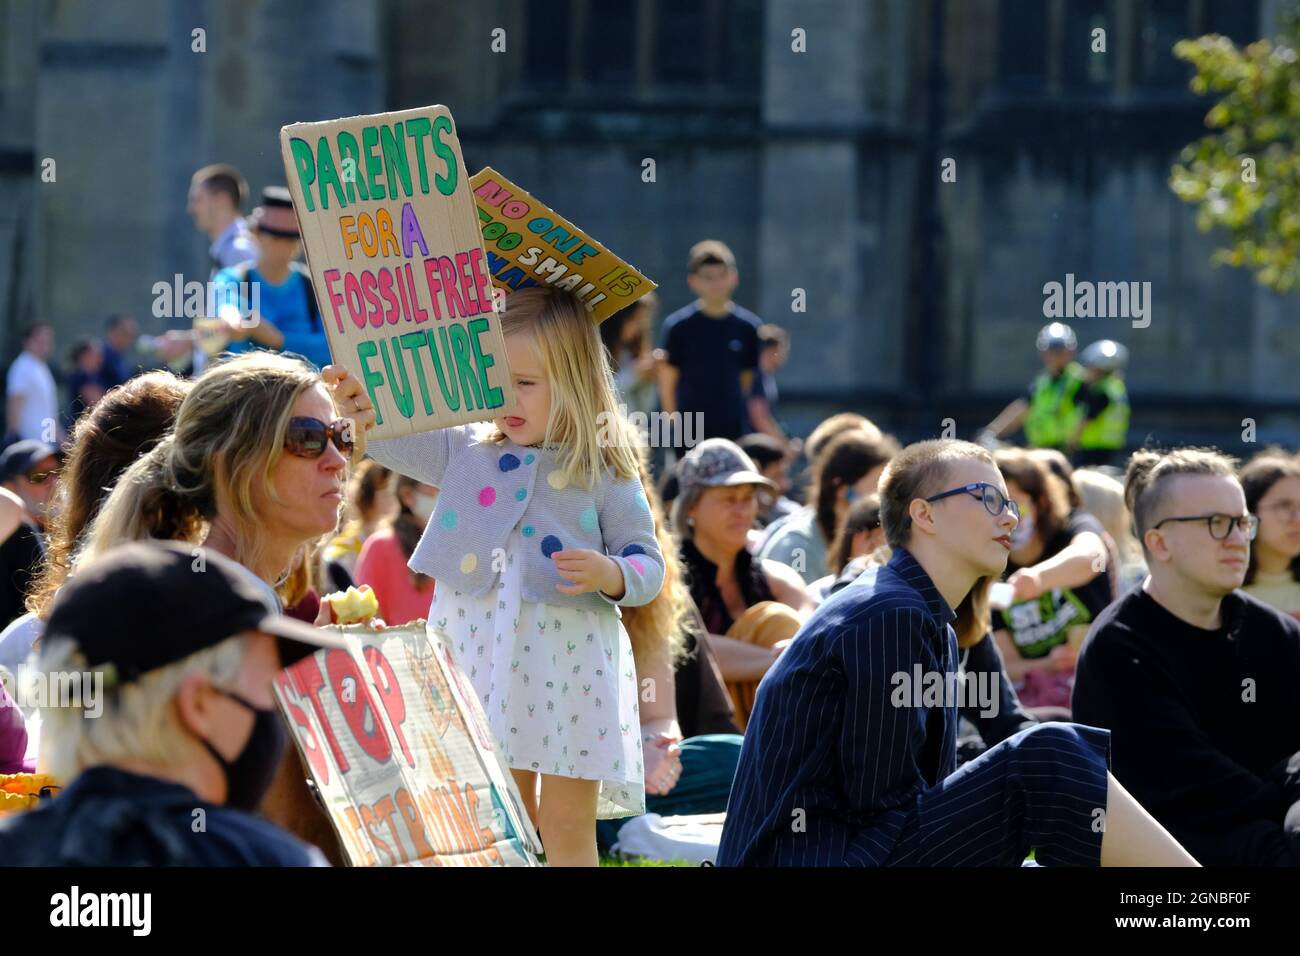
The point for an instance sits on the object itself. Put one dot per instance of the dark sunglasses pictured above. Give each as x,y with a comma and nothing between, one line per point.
307,437
40,477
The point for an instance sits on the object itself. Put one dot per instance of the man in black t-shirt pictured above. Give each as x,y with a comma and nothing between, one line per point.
710,350
1195,679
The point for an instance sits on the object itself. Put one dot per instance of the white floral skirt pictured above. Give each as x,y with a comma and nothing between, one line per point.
558,685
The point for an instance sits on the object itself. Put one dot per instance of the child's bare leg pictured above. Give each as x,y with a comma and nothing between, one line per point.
568,821
1135,838
526,781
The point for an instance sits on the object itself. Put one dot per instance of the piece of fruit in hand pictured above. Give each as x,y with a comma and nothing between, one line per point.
353,606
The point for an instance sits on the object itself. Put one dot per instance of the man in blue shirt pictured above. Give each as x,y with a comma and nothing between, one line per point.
217,194
277,305
850,752
169,737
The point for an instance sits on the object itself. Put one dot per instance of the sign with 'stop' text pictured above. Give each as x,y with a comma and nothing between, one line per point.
397,259
529,244
399,748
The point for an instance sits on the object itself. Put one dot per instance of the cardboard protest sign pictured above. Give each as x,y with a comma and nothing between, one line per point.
399,747
398,265
529,244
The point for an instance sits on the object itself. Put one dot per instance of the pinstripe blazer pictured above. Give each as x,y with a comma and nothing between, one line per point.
831,769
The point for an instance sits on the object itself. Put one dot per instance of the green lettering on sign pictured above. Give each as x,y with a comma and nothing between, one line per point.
412,342
450,396
465,365
402,397
484,362
446,184
305,163
365,352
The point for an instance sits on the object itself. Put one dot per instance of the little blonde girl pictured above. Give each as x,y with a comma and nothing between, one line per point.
541,530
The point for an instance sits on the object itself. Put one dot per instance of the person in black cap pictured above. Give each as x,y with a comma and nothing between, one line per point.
276,305
29,472
30,469
174,736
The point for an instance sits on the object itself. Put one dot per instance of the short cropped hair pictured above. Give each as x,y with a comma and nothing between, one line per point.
771,335
223,178
30,330
919,471
709,252
1146,483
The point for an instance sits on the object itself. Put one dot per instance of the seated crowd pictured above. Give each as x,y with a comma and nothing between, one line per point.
1125,641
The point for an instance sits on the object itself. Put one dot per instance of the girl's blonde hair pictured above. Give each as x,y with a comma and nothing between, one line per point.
584,419
658,628
229,434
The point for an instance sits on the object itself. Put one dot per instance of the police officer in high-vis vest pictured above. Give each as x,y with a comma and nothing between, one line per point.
1102,430
1048,413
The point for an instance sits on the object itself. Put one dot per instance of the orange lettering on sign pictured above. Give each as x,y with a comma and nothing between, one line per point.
414,824
386,812
352,833
371,823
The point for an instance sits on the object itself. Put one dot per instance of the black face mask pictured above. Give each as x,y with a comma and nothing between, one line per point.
249,775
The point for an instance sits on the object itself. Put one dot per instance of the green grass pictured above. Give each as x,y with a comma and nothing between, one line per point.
615,861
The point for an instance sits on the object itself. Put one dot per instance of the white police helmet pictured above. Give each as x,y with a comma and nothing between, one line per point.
1107,355
1058,335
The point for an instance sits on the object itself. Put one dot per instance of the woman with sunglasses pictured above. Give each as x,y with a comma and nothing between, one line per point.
846,762
253,469
1271,481
1062,574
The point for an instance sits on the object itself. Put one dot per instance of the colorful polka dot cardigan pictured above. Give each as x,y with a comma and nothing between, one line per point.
488,489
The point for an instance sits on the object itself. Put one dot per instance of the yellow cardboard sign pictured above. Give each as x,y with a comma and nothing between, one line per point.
529,244
399,267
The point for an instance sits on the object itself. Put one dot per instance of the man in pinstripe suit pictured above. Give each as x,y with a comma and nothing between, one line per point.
837,769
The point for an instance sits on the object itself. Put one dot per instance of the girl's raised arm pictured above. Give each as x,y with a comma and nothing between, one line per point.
423,455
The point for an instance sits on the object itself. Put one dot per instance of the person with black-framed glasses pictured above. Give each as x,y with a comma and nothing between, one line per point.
847,762
1195,679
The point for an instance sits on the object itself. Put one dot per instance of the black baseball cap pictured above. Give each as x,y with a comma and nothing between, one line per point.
275,216
145,605
23,456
